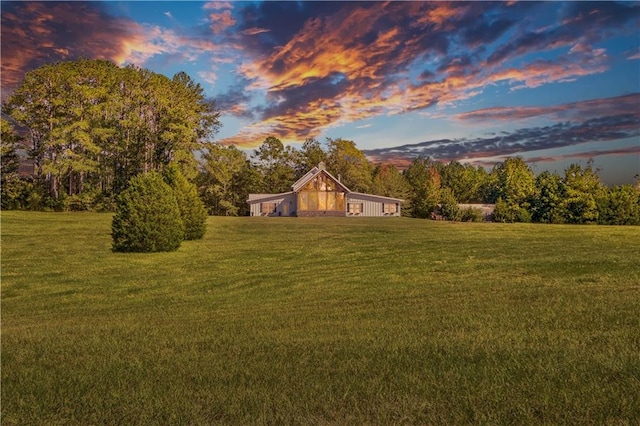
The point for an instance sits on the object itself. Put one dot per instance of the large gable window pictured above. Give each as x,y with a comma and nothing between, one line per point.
321,194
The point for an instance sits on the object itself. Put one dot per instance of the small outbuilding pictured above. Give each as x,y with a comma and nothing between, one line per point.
318,193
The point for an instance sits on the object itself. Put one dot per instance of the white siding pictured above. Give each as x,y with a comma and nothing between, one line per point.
373,205
285,204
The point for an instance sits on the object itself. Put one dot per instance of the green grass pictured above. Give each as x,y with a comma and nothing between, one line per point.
321,321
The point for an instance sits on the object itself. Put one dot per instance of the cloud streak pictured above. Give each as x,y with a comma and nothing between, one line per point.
598,120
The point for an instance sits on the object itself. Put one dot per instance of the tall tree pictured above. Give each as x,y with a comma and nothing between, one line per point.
11,186
620,205
221,180
581,189
512,186
512,181
389,182
467,182
311,154
276,163
93,123
349,164
545,205
424,179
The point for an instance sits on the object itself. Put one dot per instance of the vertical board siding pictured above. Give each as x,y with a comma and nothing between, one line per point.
287,199
371,205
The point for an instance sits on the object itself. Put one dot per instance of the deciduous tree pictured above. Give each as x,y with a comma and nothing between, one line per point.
424,179
349,164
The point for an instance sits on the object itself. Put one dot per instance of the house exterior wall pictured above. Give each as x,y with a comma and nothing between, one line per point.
371,205
285,205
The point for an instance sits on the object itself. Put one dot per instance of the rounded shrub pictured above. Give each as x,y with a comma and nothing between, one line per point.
147,217
448,205
192,209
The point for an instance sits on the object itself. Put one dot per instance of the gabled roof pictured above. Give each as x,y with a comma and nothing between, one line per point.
381,198
300,183
254,198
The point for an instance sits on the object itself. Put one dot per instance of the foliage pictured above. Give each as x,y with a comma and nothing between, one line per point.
449,205
95,125
276,163
448,324
512,181
223,181
472,214
546,203
581,190
311,154
509,212
13,189
346,162
147,217
192,210
620,205
389,182
423,178
468,184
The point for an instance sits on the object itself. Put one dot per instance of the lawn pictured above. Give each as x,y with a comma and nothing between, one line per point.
320,321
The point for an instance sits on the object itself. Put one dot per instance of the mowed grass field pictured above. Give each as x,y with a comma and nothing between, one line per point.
320,321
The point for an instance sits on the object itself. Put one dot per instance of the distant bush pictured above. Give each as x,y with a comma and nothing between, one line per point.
510,212
147,217
449,205
192,209
471,214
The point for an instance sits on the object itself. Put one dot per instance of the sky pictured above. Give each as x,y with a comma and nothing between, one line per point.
552,82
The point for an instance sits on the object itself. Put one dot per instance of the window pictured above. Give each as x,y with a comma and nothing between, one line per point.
354,208
321,194
267,208
389,208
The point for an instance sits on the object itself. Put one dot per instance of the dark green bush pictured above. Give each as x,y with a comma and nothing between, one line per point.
471,214
510,212
449,205
147,217
192,209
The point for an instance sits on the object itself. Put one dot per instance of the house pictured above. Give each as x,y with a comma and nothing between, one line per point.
318,193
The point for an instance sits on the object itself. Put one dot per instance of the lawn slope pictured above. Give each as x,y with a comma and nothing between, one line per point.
320,321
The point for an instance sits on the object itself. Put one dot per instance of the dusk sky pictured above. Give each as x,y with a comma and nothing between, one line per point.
555,83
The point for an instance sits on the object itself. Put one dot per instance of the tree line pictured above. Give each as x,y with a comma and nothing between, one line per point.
93,126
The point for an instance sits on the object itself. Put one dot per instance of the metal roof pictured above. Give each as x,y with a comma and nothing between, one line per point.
310,175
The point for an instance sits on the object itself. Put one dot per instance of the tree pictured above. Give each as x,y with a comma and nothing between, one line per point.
192,210
620,205
310,155
449,205
581,190
276,164
423,178
346,162
467,182
221,182
94,125
15,192
505,211
513,184
512,181
389,182
546,203
147,217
